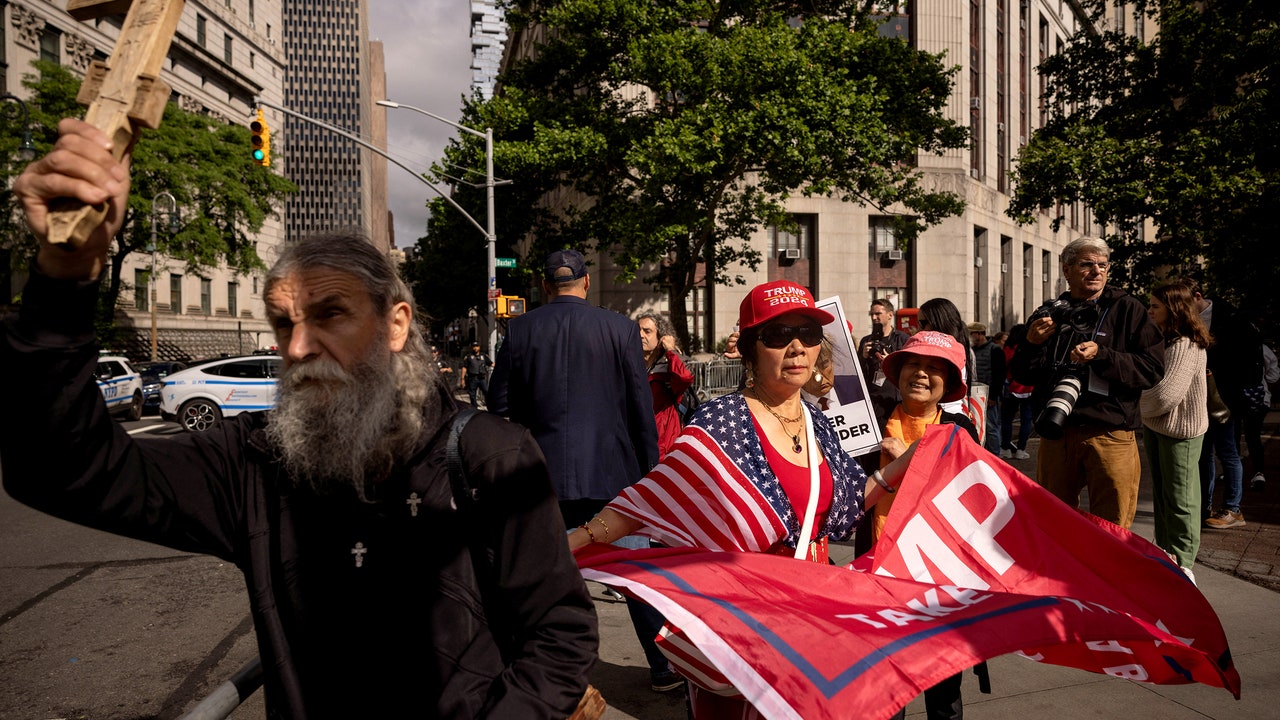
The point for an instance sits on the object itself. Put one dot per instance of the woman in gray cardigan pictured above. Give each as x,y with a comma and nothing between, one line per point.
1175,417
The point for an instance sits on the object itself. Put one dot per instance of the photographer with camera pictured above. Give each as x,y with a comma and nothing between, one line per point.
874,348
1090,353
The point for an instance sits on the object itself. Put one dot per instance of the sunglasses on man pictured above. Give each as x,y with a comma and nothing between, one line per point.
780,336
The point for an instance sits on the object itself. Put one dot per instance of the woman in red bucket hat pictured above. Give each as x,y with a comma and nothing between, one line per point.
927,372
763,443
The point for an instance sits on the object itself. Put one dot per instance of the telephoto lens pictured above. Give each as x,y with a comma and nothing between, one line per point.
1061,402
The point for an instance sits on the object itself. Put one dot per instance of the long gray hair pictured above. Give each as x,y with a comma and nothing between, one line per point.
414,374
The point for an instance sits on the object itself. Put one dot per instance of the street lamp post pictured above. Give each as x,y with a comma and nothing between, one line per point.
490,234
27,149
172,209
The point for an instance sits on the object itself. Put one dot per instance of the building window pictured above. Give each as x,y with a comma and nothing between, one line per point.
976,67
226,49
882,237
797,241
51,45
200,29
140,290
233,288
251,59
175,294
206,296
250,12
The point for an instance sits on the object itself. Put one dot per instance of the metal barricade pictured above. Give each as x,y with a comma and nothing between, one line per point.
716,377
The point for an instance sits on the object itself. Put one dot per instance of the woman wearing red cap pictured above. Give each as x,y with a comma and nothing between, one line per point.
756,470
927,372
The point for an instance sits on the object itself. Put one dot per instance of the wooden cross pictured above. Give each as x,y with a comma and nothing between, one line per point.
124,91
359,550
413,502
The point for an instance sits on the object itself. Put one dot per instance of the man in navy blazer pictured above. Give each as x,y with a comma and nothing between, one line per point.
574,374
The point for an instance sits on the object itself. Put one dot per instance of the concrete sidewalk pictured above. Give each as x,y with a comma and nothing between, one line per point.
1248,610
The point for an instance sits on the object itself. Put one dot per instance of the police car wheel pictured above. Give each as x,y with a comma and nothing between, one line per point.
199,415
135,406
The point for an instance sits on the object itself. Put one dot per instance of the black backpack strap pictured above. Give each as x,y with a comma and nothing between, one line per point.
467,498
463,494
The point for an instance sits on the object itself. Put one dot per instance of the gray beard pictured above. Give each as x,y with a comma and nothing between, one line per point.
336,429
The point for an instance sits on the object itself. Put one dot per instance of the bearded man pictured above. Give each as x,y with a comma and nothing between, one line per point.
375,591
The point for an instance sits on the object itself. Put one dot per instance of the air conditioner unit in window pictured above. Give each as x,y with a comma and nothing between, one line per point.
1004,267
975,103
977,261
791,253
892,255
1026,272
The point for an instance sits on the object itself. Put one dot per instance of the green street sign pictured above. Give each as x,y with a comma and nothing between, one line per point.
506,262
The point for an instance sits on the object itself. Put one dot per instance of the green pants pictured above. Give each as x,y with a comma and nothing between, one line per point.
1175,475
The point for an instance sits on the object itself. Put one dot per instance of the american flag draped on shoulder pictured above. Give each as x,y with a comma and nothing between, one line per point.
971,566
715,490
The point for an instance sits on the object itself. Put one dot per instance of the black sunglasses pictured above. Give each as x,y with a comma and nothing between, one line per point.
780,336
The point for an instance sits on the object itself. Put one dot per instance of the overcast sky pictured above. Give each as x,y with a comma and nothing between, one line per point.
428,50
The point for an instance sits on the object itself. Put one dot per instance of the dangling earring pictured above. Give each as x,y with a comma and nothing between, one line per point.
751,377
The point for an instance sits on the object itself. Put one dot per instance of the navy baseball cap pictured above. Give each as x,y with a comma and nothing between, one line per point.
564,266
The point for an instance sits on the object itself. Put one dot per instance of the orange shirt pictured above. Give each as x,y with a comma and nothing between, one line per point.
908,429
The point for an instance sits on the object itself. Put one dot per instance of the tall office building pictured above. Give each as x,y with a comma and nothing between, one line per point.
329,76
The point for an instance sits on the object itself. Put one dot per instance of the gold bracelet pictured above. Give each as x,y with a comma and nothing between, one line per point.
590,534
606,527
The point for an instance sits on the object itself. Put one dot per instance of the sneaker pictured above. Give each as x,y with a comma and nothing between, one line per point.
1022,455
1190,575
1006,453
1224,519
1258,483
665,681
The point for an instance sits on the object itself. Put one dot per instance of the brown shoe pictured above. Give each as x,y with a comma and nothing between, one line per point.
1224,519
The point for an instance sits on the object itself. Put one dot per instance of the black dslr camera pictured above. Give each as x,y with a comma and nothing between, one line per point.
1080,317
879,344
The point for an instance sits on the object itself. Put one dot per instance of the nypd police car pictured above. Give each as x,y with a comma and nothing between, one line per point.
200,396
121,387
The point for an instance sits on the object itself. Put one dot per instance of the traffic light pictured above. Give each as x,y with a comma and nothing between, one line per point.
261,141
510,306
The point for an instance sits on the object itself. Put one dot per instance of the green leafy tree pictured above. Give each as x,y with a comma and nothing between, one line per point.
222,196
1184,129
668,132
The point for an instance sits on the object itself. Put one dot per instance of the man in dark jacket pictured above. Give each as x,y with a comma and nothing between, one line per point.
872,349
1112,361
989,366
574,374
375,590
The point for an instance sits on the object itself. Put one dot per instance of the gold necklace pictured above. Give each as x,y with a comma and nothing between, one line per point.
795,439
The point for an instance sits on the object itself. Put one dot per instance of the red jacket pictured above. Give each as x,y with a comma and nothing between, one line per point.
668,379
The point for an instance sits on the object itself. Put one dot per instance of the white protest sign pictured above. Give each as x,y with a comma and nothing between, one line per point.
842,393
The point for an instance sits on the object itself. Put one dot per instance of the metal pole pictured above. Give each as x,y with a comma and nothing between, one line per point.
153,288
172,207
489,232
226,697
343,133
493,242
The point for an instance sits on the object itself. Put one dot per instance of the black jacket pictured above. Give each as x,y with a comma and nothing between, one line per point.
361,609
884,396
1130,359
1235,358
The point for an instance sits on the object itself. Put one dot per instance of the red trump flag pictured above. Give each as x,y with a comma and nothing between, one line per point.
976,561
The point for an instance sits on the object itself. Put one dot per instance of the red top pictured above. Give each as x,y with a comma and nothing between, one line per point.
795,480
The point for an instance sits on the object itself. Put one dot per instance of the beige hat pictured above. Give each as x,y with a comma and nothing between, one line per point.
977,327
